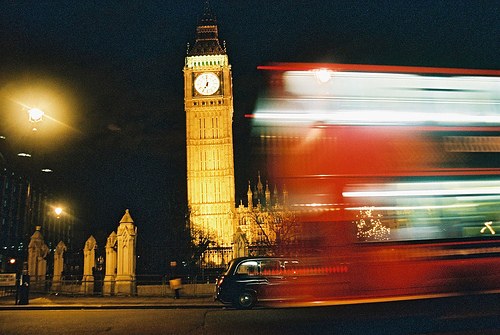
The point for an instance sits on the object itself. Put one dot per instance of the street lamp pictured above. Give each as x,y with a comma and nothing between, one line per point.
35,116
58,211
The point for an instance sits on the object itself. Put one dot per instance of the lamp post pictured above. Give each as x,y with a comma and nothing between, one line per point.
32,217
35,116
3,165
54,227
59,229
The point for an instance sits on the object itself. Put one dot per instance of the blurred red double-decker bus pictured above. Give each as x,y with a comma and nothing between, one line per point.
393,171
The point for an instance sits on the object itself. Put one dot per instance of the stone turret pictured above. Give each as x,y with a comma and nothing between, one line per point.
37,251
88,265
58,265
126,260
111,258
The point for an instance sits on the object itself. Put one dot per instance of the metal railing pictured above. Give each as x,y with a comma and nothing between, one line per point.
146,285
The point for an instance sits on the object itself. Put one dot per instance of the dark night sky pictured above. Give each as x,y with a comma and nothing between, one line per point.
121,63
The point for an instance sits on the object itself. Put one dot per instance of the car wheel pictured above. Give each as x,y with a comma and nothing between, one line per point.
246,300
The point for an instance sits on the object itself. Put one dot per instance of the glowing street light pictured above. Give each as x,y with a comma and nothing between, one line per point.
58,211
35,115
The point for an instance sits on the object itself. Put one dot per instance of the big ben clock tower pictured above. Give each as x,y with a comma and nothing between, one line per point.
208,102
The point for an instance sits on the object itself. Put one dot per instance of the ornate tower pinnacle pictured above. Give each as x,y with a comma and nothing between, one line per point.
207,36
249,196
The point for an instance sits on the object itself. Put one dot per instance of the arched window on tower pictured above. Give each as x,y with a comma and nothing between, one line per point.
216,154
213,128
204,128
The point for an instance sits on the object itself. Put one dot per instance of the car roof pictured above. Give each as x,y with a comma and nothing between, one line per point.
256,258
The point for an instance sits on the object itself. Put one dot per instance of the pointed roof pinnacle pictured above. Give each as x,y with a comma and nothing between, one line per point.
126,218
207,36
37,235
208,18
259,183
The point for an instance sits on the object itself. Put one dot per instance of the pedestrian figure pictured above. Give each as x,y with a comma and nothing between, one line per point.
176,285
23,288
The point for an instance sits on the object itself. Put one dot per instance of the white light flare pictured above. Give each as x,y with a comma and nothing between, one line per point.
428,189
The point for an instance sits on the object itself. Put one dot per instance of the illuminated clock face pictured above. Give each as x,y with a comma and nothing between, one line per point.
207,83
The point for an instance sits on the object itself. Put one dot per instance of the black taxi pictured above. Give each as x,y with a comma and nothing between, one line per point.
248,280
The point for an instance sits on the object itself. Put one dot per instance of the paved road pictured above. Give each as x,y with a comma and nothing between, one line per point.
458,316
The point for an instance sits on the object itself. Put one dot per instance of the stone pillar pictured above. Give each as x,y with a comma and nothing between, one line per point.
110,275
240,244
88,265
126,258
37,251
58,265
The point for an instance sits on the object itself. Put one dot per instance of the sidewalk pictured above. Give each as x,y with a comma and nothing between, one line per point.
53,301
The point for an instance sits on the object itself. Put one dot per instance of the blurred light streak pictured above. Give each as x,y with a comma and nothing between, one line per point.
342,94
401,208
376,68
384,117
429,189
312,205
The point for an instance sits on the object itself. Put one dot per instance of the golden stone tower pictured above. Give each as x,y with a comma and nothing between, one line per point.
208,102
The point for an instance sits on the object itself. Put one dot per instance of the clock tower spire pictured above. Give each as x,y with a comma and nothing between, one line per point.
208,103
207,36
